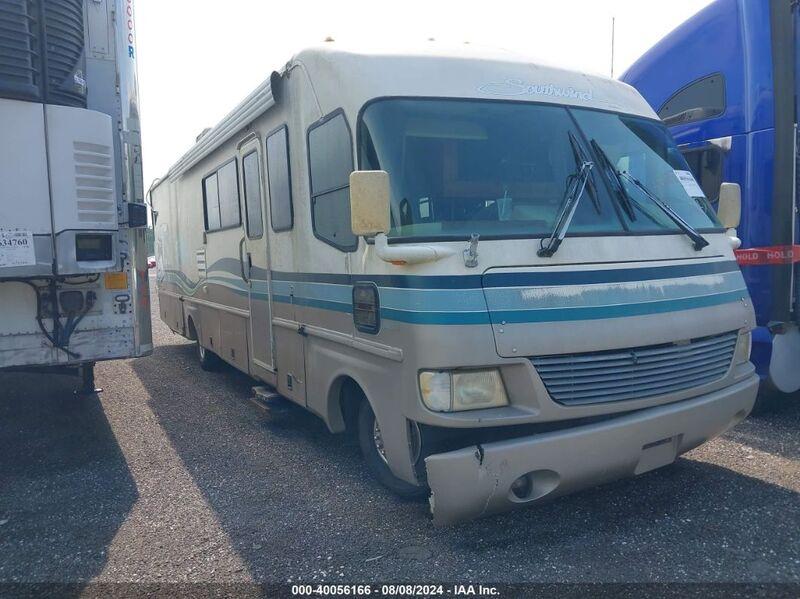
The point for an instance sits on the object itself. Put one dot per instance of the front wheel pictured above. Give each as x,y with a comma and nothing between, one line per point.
371,442
209,361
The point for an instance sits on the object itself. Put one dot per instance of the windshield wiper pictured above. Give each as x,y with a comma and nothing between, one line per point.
699,241
576,185
627,201
623,197
580,158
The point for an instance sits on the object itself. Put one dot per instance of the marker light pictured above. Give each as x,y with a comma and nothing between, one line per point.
744,345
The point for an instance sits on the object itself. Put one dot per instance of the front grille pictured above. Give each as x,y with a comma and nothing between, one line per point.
636,373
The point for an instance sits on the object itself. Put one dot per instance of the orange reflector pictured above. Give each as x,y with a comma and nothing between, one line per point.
398,262
116,280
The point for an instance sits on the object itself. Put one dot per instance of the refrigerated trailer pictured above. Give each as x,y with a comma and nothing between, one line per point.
73,261
498,274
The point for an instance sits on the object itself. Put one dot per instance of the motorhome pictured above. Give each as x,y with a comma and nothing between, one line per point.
732,108
73,273
499,275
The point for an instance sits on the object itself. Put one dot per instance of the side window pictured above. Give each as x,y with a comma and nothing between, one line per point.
700,100
330,158
251,174
221,198
706,165
211,202
280,180
230,215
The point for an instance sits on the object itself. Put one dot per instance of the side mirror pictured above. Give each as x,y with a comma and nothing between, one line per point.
729,210
369,202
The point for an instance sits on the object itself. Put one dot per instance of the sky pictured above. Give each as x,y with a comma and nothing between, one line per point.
199,59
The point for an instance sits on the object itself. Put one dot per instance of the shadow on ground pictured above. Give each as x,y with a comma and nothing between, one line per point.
65,488
775,429
298,503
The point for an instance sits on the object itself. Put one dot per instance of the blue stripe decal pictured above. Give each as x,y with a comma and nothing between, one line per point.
613,275
443,318
616,311
514,279
433,300
515,298
530,316
411,302
323,304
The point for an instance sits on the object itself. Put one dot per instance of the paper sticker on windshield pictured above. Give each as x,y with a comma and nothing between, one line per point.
690,184
16,249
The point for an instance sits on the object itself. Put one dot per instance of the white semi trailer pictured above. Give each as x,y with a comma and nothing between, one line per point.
73,258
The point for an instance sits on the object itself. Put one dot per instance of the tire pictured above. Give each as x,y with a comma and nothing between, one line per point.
209,361
376,463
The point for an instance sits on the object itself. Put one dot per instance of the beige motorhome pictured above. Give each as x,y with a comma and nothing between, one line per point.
497,273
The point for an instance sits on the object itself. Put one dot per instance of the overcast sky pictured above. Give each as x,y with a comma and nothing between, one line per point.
198,59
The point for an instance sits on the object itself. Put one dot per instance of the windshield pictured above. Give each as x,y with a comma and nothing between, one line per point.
500,169
645,150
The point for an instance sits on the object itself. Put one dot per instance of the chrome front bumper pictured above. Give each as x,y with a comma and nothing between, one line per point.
476,481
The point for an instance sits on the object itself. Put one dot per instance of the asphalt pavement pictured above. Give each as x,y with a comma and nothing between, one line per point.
172,475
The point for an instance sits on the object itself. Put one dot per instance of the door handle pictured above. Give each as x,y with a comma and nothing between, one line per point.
241,261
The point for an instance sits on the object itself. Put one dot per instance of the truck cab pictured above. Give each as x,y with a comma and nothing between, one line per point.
725,82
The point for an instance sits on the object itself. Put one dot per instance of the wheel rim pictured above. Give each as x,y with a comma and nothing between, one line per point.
414,441
377,438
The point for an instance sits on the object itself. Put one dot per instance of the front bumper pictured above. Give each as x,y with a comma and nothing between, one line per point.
476,481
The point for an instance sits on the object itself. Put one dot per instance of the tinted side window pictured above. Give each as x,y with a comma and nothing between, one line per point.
251,173
211,202
280,180
331,162
702,99
230,215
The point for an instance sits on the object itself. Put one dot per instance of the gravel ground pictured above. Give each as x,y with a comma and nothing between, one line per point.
172,475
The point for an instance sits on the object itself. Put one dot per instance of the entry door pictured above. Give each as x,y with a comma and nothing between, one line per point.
254,254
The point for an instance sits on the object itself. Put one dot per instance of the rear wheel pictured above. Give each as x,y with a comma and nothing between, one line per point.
370,440
208,360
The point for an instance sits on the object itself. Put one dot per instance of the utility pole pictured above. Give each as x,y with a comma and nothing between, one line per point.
613,30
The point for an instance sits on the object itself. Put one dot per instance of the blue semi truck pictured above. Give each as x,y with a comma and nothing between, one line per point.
726,83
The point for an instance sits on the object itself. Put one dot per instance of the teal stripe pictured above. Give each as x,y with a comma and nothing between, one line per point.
531,316
323,304
616,311
238,287
313,303
418,306
443,318
502,300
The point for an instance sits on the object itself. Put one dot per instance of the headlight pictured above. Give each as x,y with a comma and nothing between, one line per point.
460,391
744,345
